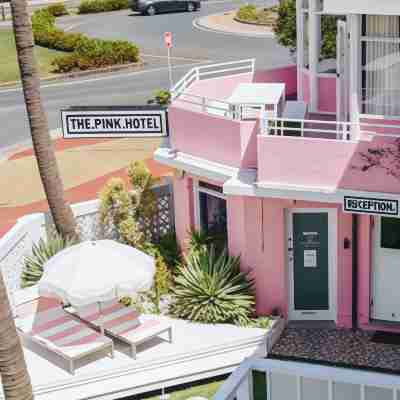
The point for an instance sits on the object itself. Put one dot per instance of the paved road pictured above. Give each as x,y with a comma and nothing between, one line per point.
191,46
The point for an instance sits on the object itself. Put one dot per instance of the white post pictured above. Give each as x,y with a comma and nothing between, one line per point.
355,73
314,35
300,48
171,84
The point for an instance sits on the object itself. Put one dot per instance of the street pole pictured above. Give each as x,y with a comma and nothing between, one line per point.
171,83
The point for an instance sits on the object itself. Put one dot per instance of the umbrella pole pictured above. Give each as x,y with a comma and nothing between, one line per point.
101,319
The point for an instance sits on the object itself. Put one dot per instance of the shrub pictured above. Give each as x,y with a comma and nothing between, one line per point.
95,6
285,29
247,13
212,289
57,9
87,52
169,249
42,252
161,97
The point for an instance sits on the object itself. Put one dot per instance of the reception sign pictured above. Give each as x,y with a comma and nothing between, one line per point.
365,205
109,122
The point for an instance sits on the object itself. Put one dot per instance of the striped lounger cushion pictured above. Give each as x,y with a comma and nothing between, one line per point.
117,319
46,322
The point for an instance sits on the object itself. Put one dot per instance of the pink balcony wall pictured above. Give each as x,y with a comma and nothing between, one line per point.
327,93
303,161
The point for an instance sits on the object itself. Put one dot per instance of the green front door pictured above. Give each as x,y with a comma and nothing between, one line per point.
310,261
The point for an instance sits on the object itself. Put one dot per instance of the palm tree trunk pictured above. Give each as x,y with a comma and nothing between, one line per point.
14,375
47,163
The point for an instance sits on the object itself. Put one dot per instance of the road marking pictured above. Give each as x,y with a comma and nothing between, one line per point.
197,60
103,78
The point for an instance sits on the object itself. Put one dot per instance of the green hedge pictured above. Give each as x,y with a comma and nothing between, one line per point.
247,13
95,6
85,52
57,9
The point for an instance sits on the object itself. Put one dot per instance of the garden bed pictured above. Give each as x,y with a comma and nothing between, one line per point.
252,15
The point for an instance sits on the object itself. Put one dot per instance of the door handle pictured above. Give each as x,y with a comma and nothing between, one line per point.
290,249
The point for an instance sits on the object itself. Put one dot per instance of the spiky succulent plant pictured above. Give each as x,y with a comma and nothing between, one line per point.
41,252
210,288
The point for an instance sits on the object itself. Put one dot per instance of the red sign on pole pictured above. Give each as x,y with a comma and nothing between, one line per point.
168,39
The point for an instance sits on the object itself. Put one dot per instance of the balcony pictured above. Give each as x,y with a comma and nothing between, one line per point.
315,152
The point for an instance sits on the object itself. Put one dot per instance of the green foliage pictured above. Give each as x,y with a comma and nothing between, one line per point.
86,53
247,13
260,322
285,29
211,288
42,252
57,9
162,97
163,276
168,247
96,6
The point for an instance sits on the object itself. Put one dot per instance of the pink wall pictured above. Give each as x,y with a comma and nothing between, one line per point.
306,85
287,75
262,247
205,136
184,209
214,138
327,93
309,162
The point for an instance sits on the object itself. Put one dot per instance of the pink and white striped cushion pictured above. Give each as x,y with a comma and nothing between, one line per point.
47,322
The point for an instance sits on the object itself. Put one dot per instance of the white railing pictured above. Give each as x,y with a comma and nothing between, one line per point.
321,129
309,128
287,380
209,105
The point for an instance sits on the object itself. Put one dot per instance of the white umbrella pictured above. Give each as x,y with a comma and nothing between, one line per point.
96,271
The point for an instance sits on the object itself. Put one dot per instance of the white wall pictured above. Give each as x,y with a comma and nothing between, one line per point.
381,7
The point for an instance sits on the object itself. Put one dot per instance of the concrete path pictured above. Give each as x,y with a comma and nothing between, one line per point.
85,165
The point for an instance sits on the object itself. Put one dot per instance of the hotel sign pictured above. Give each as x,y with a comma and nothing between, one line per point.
365,205
114,122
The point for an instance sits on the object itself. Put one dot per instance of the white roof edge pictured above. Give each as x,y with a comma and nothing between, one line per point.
195,165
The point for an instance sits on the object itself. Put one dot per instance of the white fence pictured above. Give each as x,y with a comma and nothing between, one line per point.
287,380
207,104
16,244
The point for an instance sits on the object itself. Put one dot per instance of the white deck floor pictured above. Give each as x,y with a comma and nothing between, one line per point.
198,351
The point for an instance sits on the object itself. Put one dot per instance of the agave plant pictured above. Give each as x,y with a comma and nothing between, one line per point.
211,288
41,252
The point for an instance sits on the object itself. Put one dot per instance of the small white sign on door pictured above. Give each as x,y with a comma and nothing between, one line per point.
310,258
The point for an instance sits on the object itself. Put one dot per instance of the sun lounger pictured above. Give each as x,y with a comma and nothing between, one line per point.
44,322
123,323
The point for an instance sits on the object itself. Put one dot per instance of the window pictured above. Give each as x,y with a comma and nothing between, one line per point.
390,233
212,215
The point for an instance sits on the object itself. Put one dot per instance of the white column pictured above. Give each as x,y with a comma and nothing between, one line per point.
355,69
314,34
300,47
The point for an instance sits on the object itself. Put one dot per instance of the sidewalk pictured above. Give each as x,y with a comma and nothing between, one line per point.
85,166
225,23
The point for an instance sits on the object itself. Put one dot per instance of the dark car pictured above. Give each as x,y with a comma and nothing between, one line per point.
152,7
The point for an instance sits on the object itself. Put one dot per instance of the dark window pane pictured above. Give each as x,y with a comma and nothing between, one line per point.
212,215
390,233
259,385
209,186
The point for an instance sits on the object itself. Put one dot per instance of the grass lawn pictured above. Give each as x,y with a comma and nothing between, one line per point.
8,60
206,390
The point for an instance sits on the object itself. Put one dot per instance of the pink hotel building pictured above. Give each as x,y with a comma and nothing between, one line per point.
300,167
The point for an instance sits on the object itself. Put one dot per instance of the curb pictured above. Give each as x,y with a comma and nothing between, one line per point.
241,21
79,74
197,23
7,152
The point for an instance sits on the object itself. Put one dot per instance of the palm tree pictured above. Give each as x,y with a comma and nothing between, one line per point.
14,375
47,163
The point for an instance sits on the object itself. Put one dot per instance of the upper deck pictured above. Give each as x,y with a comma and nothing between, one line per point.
313,153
